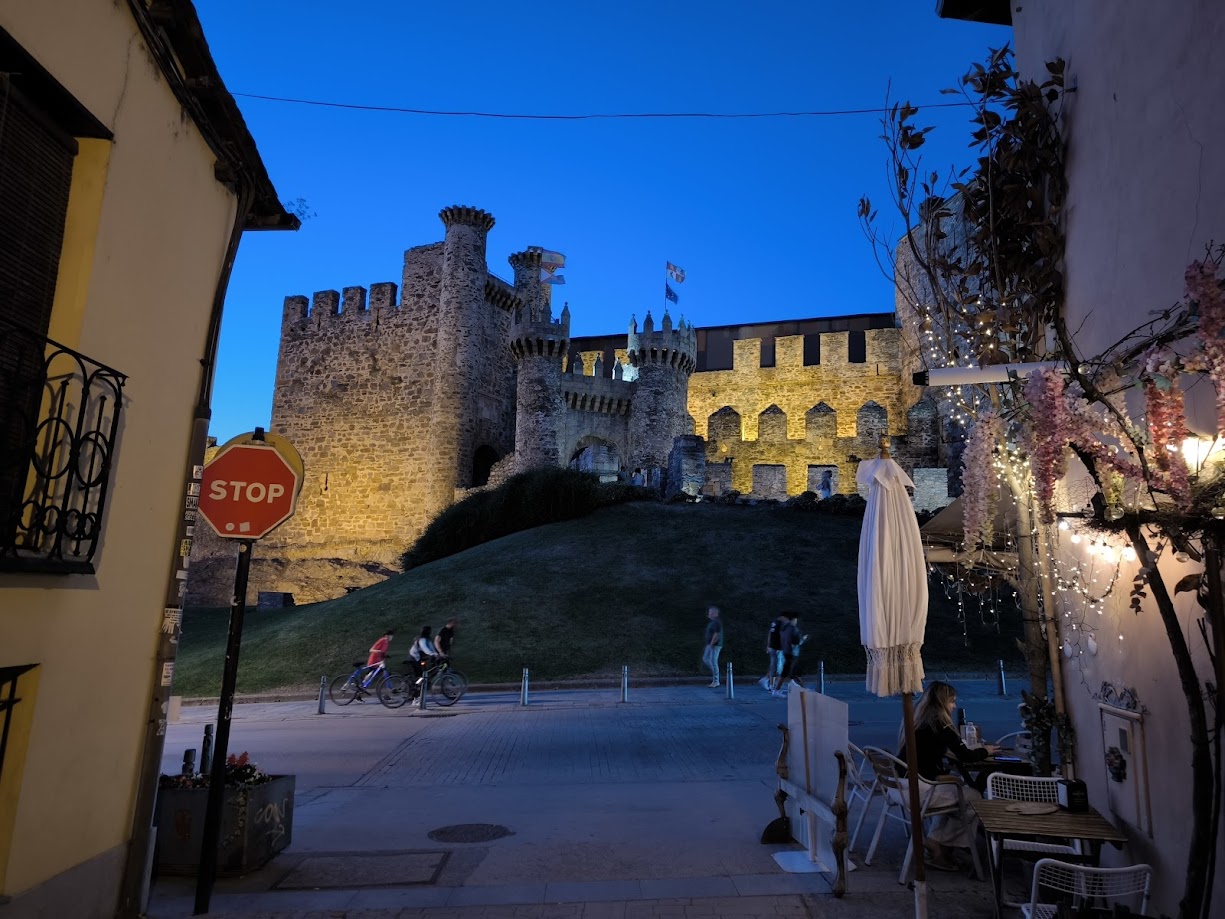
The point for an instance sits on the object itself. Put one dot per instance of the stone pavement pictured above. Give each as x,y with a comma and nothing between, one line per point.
594,808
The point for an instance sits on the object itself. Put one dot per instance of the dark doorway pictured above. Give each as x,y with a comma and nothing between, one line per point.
482,463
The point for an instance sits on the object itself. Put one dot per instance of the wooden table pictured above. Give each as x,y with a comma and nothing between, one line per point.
1000,824
975,774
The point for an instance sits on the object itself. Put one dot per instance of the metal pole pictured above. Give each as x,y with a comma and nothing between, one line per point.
625,683
423,684
731,690
916,820
323,689
821,676
1001,684
206,750
216,786
523,689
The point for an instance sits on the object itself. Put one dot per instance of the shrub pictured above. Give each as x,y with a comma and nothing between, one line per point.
524,501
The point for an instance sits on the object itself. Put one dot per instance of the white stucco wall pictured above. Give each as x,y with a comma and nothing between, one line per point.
163,228
1147,191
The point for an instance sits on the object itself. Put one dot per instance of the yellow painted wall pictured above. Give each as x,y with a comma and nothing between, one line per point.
144,242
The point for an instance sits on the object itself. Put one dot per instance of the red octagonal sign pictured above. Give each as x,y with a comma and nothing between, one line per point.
248,491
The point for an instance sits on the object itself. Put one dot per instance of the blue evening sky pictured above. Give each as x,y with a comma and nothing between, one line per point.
759,212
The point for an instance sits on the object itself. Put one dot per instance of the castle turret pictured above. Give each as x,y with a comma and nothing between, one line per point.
461,300
539,345
663,360
528,287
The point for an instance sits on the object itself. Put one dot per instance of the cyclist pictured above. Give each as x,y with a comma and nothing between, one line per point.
446,637
378,651
422,654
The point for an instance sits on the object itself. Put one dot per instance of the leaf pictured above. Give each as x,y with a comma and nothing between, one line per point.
1188,583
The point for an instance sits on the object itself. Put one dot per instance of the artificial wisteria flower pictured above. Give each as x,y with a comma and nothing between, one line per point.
1204,291
1166,426
977,476
1048,435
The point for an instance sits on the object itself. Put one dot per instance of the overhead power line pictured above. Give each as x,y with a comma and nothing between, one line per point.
590,116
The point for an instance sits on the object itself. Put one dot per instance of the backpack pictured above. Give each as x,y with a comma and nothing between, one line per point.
775,641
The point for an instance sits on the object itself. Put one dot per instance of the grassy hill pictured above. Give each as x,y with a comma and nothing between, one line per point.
627,585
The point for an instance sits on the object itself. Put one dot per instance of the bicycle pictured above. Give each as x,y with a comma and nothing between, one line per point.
364,680
446,684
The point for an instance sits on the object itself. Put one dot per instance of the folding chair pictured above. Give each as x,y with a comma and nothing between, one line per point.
896,806
1083,885
863,787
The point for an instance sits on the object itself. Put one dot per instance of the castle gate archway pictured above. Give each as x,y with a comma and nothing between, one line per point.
482,461
597,455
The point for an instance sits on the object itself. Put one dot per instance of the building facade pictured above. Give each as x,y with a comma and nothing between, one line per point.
127,178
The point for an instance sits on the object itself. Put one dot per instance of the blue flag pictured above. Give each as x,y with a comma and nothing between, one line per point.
670,294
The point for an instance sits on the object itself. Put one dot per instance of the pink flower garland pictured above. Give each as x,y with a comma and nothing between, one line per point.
977,473
1047,435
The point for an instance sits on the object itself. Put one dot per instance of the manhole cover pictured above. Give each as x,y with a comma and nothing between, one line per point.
470,832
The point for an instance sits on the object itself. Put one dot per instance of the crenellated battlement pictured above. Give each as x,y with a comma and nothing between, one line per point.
325,306
598,394
502,295
462,215
671,347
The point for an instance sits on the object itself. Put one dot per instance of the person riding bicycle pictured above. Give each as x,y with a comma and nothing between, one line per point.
446,637
378,651
422,654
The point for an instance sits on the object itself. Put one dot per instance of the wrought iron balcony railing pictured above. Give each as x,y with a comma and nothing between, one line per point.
59,418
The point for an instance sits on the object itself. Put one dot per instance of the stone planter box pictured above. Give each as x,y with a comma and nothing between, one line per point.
256,824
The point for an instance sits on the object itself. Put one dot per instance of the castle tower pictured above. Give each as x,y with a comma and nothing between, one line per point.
663,360
461,300
538,344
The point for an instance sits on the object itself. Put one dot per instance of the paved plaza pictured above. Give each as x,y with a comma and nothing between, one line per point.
577,805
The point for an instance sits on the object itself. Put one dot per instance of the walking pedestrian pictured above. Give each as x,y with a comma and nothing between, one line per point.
774,651
714,644
791,642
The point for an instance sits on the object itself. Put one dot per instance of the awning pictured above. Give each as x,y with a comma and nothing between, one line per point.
944,534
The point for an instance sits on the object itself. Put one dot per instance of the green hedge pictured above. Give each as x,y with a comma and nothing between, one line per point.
524,501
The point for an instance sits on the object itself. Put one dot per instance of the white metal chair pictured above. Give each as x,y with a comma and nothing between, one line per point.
1025,788
1084,885
896,805
861,781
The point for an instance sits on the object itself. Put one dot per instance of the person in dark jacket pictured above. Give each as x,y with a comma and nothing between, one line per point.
935,739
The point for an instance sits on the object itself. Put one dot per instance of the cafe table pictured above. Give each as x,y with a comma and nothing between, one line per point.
1001,820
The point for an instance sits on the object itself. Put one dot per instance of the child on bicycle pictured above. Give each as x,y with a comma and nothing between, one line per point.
378,651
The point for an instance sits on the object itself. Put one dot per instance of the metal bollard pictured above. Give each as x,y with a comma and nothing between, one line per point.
423,690
206,750
731,689
323,690
1001,684
821,676
189,761
523,689
625,683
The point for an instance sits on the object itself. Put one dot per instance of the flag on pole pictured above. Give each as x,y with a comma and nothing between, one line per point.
552,260
670,294
677,273
553,278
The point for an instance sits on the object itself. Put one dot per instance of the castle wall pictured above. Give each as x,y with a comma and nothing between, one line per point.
790,420
596,409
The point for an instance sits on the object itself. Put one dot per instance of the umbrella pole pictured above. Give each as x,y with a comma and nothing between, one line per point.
916,819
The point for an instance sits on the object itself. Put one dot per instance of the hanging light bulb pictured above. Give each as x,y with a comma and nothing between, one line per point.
1064,525
1075,538
1129,554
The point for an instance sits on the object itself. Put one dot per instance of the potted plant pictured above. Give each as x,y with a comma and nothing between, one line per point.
256,818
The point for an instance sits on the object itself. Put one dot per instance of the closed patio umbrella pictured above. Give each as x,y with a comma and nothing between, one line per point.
892,582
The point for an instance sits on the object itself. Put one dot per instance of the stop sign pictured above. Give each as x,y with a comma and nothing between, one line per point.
248,491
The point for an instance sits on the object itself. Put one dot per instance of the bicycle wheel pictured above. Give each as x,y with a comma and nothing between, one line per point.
449,688
394,690
344,689
463,679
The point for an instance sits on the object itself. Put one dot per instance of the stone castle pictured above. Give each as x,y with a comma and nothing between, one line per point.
400,406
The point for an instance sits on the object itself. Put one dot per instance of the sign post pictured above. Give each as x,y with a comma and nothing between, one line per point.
249,489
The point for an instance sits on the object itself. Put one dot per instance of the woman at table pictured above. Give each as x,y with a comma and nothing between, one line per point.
935,739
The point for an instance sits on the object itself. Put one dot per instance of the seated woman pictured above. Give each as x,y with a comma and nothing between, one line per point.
936,738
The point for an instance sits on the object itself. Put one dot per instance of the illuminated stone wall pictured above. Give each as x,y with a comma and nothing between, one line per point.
790,421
